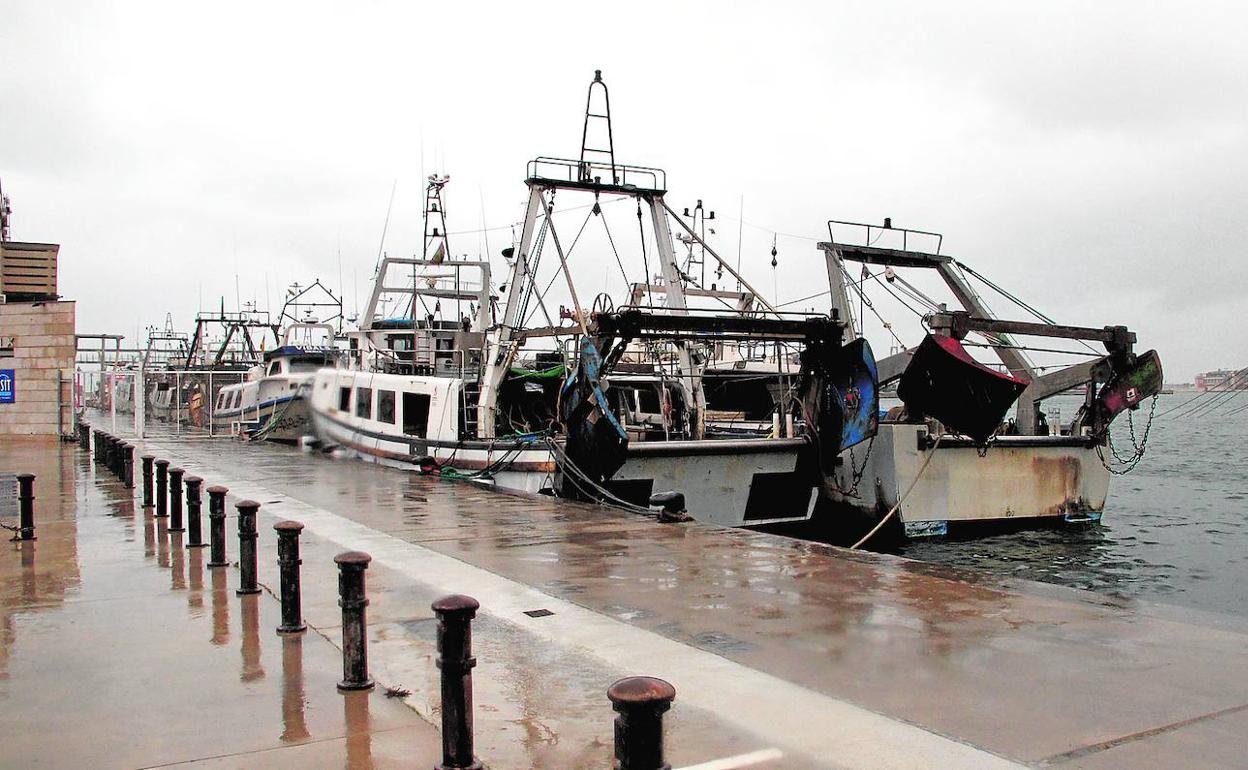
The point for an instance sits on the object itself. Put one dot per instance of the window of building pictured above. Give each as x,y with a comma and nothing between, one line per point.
385,406
415,414
364,403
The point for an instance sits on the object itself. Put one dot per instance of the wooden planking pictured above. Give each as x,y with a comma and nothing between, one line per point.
28,268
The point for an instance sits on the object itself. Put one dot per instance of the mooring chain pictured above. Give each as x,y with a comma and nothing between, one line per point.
1138,445
856,473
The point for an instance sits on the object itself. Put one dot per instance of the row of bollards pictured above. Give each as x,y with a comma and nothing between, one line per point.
639,702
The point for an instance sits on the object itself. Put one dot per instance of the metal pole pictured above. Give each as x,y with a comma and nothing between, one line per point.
288,562
195,533
352,599
162,488
216,526
147,480
247,547
26,507
455,614
639,703
175,499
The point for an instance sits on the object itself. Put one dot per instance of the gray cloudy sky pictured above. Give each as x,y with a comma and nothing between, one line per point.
1093,157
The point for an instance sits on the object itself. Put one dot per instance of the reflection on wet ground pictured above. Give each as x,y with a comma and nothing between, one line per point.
108,657
959,652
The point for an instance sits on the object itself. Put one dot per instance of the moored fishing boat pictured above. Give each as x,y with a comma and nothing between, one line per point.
530,400
948,460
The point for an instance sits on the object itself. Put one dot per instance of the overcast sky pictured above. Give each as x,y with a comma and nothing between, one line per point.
1092,157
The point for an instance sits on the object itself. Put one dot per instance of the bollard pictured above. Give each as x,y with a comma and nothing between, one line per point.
83,435
216,526
97,447
127,465
352,599
247,547
162,488
175,499
288,562
108,452
195,535
455,614
640,702
114,445
146,460
26,507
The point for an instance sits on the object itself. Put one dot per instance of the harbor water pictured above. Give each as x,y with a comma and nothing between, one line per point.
1173,529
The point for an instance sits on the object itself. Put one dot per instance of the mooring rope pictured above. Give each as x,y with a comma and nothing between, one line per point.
901,499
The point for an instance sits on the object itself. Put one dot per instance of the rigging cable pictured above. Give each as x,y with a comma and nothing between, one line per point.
868,303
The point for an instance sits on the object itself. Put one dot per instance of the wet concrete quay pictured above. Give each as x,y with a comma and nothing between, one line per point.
120,648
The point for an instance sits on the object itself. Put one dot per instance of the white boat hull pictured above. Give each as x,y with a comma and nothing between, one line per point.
1018,478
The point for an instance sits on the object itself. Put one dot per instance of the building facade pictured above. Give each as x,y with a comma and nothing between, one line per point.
37,344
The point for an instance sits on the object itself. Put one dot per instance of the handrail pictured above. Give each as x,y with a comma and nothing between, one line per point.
881,229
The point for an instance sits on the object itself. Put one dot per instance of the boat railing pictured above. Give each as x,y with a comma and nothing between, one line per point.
576,172
883,236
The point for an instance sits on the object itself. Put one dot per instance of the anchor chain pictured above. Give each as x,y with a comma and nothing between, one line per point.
1139,445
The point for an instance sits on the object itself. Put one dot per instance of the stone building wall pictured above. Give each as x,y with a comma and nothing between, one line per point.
37,342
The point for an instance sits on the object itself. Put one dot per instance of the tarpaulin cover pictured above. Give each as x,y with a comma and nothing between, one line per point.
944,382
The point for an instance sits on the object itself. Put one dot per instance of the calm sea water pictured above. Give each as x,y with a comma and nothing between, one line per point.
1173,530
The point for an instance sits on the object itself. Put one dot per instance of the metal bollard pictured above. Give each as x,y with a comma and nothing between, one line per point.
216,526
26,507
175,499
640,702
115,454
247,547
455,614
288,562
162,488
108,453
83,435
127,465
147,479
352,599
195,534
97,447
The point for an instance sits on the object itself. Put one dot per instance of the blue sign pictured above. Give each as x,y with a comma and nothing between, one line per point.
7,391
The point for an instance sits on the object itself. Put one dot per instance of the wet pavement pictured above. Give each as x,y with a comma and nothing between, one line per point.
836,659
120,648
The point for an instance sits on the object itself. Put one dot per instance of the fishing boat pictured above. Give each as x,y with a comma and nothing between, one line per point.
600,402
407,396
271,402
951,458
185,375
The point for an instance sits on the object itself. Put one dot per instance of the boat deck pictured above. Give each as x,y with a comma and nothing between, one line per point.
833,658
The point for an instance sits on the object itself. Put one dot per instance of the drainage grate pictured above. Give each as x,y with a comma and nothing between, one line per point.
538,613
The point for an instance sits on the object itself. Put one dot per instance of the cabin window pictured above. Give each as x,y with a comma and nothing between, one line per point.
275,367
238,399
344,399
220,401
364,403
385,406
415,414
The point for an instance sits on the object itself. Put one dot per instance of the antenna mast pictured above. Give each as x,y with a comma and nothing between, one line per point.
604,115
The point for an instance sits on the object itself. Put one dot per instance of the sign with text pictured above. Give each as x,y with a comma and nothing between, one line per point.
7,386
